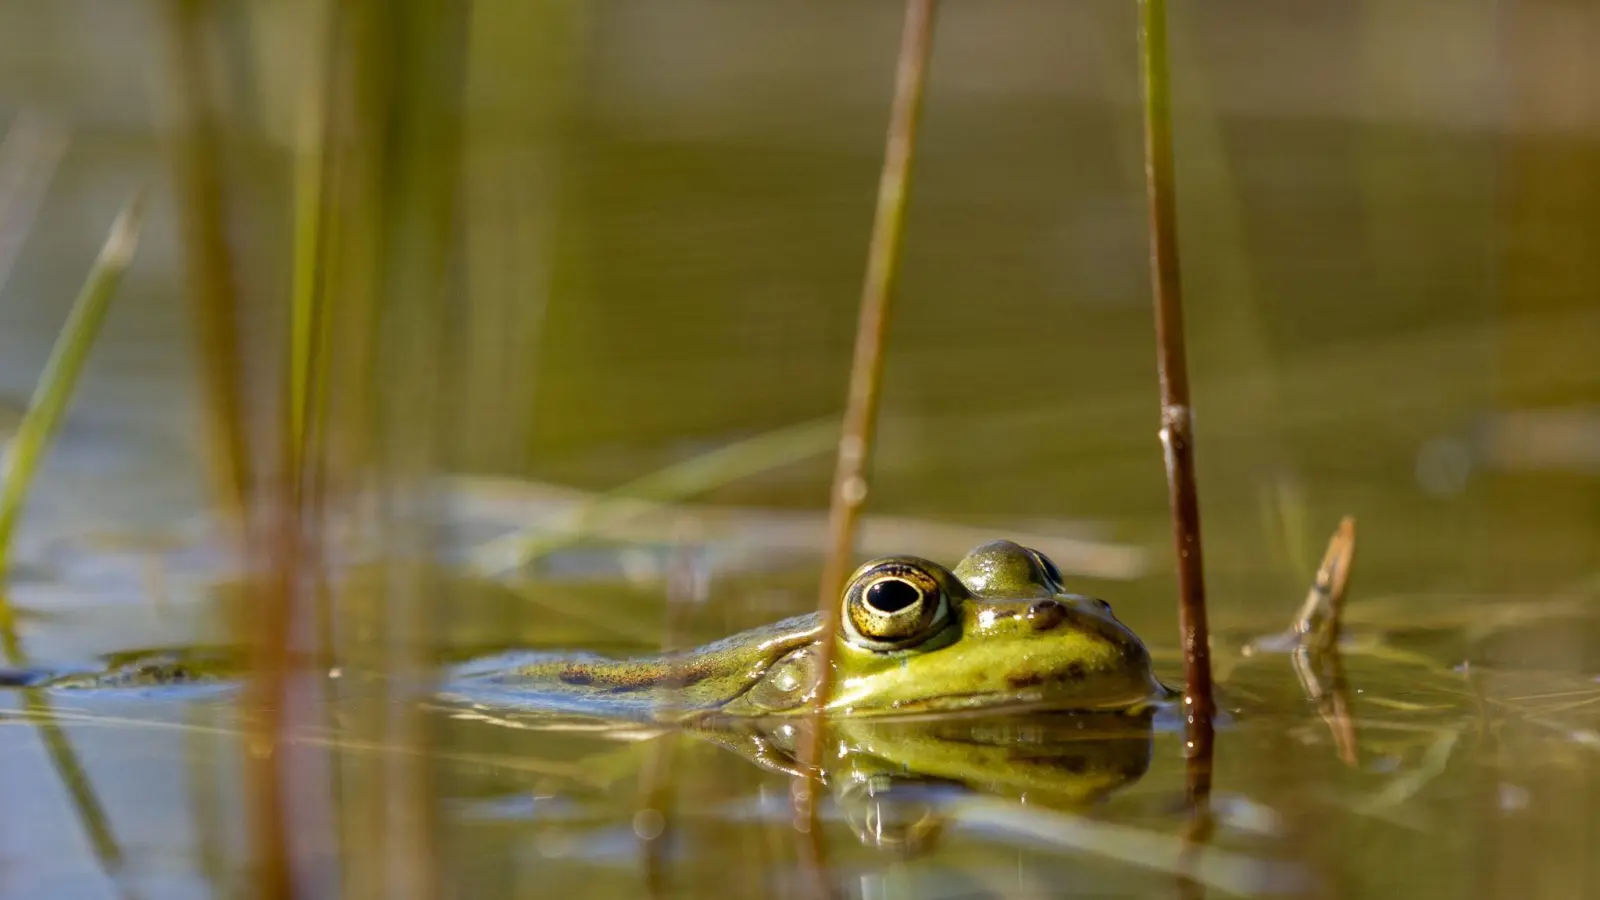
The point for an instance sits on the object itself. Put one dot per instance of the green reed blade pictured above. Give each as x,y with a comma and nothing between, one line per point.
49,403
60,376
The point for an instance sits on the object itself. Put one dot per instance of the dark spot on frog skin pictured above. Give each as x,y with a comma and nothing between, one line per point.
1020,680
577,677
1046,614
1072,673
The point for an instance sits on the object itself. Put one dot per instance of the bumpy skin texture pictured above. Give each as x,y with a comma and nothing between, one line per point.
1007,632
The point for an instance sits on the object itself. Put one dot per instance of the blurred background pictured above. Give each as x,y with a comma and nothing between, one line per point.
416,273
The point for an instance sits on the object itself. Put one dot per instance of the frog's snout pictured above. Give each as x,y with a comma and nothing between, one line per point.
1045,615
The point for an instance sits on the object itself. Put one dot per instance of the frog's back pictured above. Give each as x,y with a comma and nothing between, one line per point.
646,688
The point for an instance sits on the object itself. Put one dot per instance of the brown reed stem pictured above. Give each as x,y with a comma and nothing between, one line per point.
209,263
276,566
271,544
866,370
1177,424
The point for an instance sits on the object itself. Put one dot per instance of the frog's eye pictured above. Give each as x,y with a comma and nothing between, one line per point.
1050,570
894,604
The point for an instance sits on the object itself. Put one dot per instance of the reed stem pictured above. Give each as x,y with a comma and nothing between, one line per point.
1177,424
866,372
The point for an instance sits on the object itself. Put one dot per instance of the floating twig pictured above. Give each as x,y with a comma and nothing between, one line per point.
1315,635
866,370
1320,617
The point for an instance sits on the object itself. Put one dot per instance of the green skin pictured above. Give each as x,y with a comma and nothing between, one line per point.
1010,633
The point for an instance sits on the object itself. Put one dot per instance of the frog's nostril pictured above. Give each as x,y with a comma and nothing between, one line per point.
1046,614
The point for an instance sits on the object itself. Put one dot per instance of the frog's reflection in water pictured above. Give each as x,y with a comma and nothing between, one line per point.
893,777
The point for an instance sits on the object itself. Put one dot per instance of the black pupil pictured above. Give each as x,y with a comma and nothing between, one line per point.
892,595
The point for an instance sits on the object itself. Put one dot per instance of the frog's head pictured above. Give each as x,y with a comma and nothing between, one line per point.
1000,627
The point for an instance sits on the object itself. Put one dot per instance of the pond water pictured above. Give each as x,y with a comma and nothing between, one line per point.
1392,312
1460,744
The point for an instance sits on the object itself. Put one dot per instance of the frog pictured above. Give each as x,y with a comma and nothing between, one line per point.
999,628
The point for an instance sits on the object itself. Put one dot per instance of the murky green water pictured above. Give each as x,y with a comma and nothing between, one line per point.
1392,310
